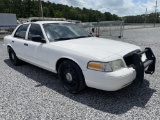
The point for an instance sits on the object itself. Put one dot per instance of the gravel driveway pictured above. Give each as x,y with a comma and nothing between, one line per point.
31,93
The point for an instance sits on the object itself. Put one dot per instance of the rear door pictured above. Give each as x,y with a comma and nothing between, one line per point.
18,40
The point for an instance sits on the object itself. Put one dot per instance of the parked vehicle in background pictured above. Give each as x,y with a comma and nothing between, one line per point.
78,58
8,21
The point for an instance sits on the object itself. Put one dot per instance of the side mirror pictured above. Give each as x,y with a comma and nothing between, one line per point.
38,38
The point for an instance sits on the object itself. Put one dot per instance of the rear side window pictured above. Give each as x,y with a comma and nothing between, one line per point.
21,32
35,29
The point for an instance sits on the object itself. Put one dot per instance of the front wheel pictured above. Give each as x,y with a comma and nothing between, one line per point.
71,76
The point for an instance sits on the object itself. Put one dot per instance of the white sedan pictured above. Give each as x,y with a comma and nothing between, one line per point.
77,57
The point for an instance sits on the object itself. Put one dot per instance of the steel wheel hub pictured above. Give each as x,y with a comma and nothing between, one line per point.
69,77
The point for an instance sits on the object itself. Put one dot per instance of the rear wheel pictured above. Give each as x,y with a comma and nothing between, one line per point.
13,58
71,76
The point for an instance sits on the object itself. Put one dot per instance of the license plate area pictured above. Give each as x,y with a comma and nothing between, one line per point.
143,57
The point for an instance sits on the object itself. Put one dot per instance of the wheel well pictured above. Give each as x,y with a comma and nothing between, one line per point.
61,60
8,47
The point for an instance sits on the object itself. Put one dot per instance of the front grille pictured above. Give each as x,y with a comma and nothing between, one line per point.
128,58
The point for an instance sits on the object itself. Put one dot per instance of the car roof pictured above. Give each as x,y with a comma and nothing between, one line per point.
45,22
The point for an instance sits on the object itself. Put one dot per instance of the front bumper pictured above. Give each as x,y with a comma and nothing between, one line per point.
110,81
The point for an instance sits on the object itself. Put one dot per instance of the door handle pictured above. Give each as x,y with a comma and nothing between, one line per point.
25,44
12,41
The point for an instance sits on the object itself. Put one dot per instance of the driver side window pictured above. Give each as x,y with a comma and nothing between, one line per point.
35,29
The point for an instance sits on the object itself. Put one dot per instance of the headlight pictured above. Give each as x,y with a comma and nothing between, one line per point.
117,64
106,67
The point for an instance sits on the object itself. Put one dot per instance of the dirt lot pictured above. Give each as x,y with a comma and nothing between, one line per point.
28,92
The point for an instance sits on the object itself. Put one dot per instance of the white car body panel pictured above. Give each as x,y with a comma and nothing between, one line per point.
81,51
110,81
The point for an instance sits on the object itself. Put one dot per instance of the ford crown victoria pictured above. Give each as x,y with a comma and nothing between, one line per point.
77,57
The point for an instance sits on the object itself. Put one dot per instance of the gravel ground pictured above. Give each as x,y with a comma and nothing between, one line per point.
30,93
2,36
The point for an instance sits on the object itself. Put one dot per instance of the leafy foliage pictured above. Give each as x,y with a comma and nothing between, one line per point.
150,18
30,8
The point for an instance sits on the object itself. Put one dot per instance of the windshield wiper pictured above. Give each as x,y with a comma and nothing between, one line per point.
63,39
81,37
71,38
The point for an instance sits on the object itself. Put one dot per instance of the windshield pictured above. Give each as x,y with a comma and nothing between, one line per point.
64,31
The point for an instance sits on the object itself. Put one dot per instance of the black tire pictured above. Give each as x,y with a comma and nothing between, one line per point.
13,58
71,76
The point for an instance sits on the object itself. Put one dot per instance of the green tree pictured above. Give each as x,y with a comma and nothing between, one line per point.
30,8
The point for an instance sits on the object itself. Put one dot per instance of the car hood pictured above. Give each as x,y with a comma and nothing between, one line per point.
99,47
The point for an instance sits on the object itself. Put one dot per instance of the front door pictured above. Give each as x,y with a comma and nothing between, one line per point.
36,52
